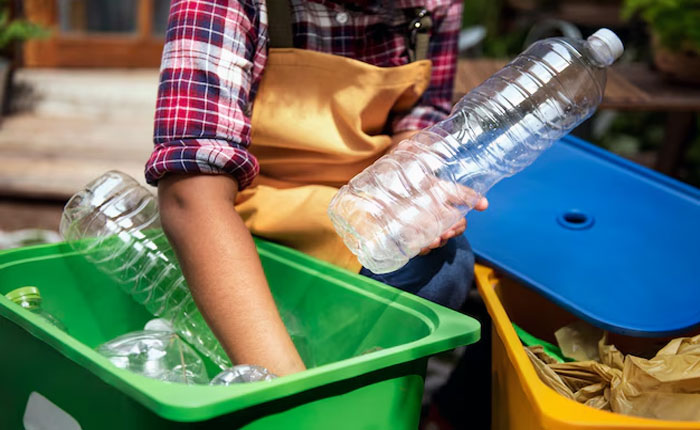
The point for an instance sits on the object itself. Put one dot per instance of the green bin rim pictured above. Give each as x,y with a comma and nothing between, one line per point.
188,403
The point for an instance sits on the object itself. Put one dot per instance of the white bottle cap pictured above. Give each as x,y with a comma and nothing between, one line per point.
611,40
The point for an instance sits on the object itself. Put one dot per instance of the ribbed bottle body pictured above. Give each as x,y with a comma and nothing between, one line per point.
406,199
114,222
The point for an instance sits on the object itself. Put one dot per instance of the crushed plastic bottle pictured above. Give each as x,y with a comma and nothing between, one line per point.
242,373
30,299
160,355
159,324
114,222
407,198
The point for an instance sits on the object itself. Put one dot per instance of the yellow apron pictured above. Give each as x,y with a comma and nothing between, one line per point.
317,121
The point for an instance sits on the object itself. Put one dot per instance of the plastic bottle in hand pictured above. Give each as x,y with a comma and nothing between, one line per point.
406,199
114,221
30,299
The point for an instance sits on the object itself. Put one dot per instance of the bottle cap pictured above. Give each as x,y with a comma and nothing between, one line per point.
28,292
611,40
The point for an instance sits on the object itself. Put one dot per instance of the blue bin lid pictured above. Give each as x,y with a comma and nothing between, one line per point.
613,242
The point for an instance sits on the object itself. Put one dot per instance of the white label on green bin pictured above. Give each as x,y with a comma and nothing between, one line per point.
42,414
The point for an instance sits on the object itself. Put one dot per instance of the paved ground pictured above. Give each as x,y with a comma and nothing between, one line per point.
70,126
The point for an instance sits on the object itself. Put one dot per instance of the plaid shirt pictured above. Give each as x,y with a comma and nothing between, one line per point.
215,54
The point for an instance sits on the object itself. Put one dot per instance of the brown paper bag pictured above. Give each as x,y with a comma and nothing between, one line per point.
579,340
666,386
546,374
585,382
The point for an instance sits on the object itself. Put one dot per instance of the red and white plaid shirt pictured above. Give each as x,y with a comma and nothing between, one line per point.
215,54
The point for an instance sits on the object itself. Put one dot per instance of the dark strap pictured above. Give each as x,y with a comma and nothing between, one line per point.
279,18
279,24
419,35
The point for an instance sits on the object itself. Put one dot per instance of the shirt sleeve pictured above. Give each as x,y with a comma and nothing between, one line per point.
436,102
213,58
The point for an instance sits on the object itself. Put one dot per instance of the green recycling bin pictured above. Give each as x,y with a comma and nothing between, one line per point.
370,344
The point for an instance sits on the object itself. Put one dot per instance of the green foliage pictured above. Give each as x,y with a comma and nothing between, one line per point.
630,133
482,12
497,44
16,30
638,134
675,22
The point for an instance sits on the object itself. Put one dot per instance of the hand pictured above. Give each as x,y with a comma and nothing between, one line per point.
468,195
457,229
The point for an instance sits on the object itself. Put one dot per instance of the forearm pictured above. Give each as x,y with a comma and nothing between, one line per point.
222,267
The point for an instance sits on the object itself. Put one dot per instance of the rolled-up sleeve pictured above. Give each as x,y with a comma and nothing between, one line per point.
213,58
436,102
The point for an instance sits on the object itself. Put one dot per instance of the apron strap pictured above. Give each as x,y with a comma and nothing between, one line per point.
419,35
279,13
279,24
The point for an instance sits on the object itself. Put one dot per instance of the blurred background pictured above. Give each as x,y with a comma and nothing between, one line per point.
79,79
650,112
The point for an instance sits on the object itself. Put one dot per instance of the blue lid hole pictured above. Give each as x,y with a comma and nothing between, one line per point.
575,220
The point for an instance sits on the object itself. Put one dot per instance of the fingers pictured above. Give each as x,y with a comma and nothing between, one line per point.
434,244
482,204
457,229
468,196
437,243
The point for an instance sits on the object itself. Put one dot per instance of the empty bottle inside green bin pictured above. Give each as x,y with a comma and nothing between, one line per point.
30,299
114,223
160,355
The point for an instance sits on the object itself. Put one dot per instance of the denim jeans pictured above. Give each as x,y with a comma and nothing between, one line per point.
443,276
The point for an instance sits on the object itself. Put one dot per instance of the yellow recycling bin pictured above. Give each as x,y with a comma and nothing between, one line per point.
520,400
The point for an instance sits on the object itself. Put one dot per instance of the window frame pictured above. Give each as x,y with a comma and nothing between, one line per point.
139,49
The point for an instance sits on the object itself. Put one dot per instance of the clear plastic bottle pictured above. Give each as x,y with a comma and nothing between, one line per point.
242,374
406,199
114,221
160,355
30,299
